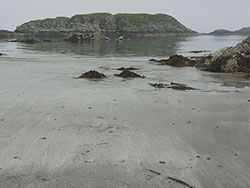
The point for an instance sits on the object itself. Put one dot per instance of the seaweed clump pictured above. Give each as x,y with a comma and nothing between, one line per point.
129,74
92,74
172,85
179,86
176,61
159,85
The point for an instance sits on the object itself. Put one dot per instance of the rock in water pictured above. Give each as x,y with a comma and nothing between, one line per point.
176,61
129,74
230,59
92,74
128,68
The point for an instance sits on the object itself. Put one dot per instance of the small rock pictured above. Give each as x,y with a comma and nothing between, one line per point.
198,156
208,158
92,74
162,162
129,74
177,61
43,138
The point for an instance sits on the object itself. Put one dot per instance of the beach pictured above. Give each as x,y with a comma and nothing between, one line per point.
59,131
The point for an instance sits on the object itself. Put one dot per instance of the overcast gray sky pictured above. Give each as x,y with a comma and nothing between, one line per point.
199,15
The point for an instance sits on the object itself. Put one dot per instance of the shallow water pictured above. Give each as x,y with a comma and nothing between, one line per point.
142,47
120,119
105,56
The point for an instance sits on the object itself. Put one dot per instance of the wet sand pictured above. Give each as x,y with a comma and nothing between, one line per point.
56,131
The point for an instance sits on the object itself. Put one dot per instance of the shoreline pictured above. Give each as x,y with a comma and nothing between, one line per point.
61,132
66,132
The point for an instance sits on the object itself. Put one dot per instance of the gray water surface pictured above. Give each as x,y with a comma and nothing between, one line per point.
108,55
49,119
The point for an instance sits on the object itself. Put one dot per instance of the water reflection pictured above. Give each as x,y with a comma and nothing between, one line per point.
144,47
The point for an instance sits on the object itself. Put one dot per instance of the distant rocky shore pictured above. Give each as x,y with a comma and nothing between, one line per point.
243,31
105,25
6,34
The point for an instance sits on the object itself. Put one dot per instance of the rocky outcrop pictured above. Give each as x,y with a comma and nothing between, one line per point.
176,61
92,74
129,74
105,25
243,31
230,59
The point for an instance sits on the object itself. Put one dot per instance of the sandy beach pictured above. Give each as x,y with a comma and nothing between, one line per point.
61,132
